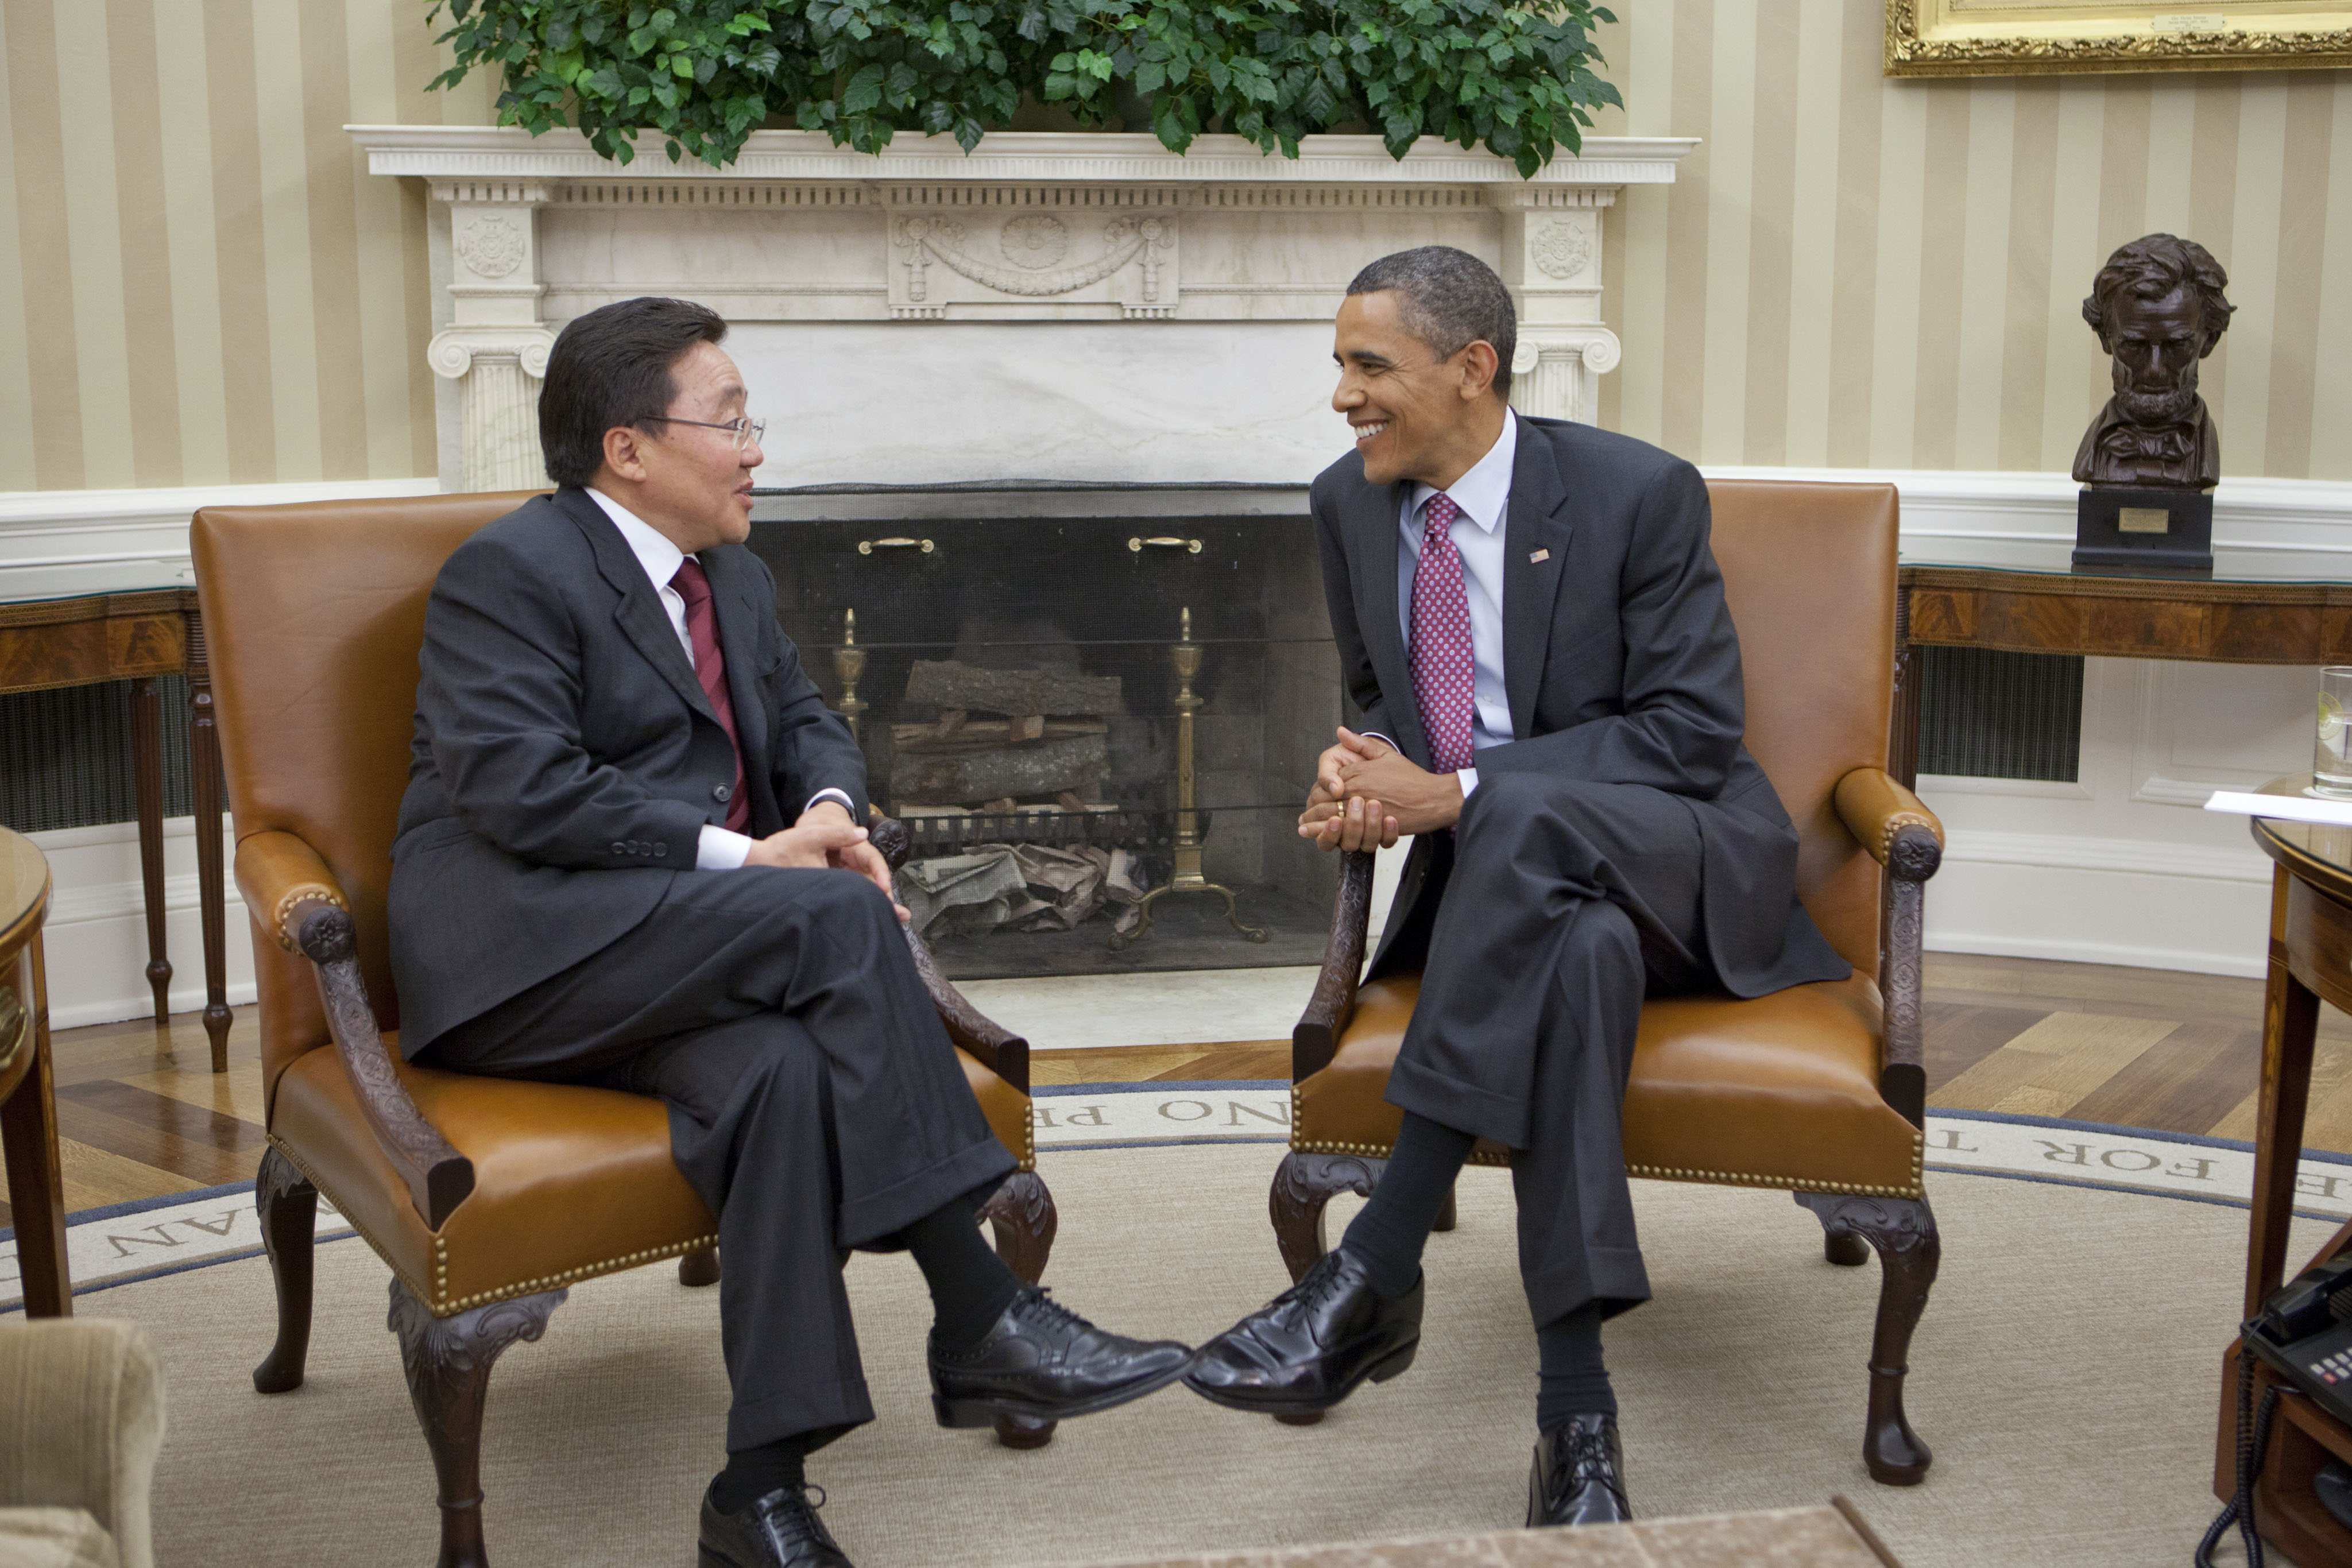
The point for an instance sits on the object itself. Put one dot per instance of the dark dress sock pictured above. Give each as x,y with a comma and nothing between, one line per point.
1574,1382
971,1287
752,1473
1388,1235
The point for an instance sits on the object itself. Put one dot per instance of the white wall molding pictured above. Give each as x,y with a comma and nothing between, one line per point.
94,941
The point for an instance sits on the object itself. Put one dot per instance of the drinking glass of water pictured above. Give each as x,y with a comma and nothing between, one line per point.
2331,767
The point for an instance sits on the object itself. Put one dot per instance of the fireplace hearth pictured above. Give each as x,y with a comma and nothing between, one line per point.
1096,707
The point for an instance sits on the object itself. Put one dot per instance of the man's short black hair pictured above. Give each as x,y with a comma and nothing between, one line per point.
609,368
1451,300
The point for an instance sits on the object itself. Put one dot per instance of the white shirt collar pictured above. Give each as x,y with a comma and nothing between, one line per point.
653,549
1484,493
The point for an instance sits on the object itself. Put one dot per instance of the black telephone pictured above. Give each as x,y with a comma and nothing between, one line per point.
2304,1331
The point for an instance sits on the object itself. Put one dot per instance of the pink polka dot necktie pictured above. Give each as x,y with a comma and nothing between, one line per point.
1443,672
711,670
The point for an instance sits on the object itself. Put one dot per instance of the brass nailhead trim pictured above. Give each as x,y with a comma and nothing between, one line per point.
1660,1173
439,1301
294,895
1897,824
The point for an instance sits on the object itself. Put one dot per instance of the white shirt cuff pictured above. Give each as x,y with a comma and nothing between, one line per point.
1384,740
1469,776
840,797
720,850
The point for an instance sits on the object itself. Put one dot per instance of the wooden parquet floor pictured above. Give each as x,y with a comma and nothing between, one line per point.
142,1115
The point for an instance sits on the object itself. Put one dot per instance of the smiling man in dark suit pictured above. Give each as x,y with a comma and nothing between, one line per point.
629,856
1531,621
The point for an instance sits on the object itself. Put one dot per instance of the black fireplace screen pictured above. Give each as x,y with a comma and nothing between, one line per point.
1097,729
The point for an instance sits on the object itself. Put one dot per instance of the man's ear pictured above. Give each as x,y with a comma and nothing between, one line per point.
1479,364
624,452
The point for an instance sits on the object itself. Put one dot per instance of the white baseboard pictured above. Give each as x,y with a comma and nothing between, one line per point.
95,940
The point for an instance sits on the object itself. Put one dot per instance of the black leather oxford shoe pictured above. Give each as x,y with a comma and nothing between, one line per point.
1044,1362
1579,1476
778,1530
1308,1348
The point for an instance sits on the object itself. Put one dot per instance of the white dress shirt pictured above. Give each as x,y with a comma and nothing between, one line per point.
718,849
1484,495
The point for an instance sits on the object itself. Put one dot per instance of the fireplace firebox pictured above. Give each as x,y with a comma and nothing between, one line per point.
1096,706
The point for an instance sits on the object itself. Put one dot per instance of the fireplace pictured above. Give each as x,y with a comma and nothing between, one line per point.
1023,662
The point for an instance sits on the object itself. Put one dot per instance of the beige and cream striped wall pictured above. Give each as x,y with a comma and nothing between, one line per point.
200,284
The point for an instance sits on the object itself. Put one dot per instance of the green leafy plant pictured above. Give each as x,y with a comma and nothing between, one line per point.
1517,77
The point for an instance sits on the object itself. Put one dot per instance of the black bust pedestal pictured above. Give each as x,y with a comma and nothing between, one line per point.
2170,532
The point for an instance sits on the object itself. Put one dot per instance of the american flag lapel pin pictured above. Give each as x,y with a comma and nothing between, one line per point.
1539,557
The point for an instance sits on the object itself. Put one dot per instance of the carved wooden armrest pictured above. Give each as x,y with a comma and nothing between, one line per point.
1315,1038
285,882
998,1049
1903,836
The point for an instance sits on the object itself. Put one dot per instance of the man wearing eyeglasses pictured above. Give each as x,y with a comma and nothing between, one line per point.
630,856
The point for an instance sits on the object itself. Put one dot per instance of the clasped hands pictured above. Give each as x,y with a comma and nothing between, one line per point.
1367,793
827,836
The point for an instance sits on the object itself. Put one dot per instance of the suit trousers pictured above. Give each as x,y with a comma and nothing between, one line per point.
816,1103
1564,904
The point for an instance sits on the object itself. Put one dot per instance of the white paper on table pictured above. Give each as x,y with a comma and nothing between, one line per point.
2282,808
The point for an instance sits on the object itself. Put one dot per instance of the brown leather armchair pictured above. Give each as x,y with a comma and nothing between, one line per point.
487,1196
1818,1089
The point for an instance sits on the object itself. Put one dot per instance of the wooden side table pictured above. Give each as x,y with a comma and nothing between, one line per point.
28,1106
84,638
2310,962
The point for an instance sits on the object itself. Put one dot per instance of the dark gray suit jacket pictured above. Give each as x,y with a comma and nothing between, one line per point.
565,758
1620,666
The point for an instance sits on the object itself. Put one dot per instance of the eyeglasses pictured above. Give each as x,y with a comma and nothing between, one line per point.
746,431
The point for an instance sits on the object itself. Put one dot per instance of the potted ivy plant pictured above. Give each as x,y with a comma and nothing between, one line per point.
1516,77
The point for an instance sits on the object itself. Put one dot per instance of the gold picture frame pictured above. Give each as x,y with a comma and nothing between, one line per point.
2040,37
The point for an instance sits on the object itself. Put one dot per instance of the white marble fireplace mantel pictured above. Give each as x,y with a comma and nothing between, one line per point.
1050,305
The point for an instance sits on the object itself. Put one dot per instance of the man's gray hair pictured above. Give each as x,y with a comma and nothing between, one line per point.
1451,299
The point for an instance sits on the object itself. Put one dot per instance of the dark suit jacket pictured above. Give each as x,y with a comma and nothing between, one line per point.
1620,666
566,758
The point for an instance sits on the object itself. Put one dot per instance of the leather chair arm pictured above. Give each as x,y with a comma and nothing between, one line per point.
996,1048
1900,834
1315,1038
1903,836
307,912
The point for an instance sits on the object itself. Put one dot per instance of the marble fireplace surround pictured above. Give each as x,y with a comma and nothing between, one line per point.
1057,306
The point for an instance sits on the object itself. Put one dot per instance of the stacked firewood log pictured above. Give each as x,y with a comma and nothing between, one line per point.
1005,741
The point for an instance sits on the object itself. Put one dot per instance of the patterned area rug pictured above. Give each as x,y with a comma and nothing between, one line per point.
2066,1375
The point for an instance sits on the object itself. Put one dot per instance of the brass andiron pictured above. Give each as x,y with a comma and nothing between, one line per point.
1186,657
849,663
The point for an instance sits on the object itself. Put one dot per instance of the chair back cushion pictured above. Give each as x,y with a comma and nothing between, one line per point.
1809,571
313,615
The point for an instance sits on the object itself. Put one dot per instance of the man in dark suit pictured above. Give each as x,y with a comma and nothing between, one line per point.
630,856
1530,618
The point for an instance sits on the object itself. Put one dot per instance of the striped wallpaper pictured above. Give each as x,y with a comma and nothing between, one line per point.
199,284
1861,272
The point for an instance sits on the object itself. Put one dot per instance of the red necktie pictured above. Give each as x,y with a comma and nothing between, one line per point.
711,669
1443,673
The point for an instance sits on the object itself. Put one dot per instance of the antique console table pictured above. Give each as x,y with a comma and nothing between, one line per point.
28,1106
136,620
2259,607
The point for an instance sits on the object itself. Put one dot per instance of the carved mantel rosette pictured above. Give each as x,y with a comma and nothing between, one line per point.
1022,256
496,346
1551,261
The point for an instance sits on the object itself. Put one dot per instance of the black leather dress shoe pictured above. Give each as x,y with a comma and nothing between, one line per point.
1308,1348
1042,1362
778,1530
1579,1476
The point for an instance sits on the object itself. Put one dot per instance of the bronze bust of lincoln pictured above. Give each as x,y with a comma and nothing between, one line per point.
2157,308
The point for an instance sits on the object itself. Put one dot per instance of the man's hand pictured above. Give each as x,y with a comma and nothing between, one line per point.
1331,821
826,836
1352,748
1415,800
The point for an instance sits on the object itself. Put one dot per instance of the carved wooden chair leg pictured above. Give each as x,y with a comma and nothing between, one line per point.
1843,1248
288,1206
1303,1186
1903,1233
696,1270
1021,1214
448,1365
